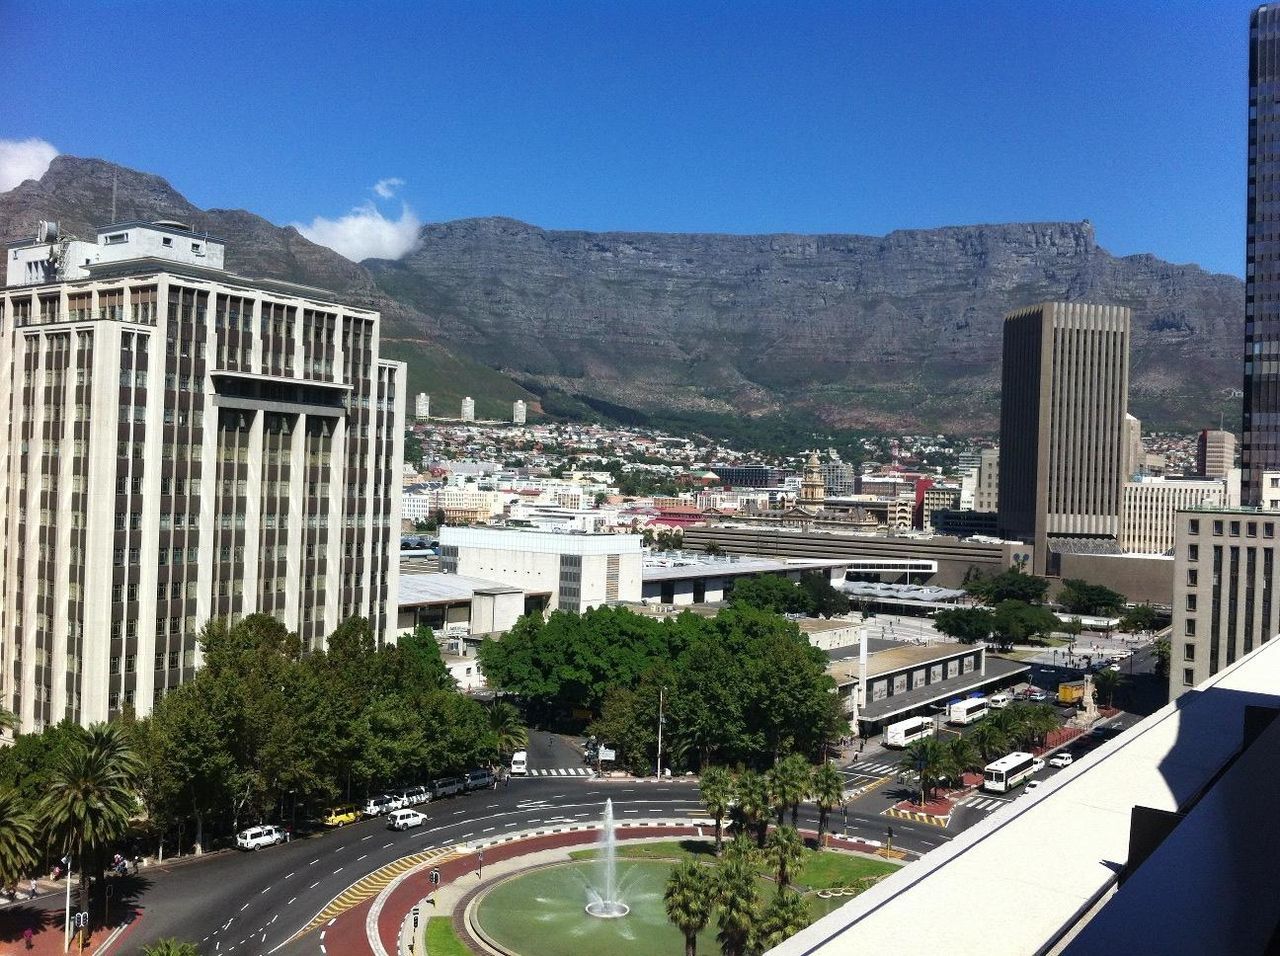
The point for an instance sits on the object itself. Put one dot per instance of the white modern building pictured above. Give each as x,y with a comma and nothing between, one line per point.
422,406
468,409
519,412
1148,507
579,571
181,443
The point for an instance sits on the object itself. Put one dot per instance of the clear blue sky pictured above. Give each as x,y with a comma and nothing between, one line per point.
727,116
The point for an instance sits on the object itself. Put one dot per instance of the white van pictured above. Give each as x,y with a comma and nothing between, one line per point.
999,701
404,819
520,763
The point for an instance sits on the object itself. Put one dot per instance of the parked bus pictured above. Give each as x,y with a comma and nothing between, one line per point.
1007,772
908,731
967,711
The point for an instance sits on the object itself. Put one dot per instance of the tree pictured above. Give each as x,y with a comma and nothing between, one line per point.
961,757
1140,617
170,947
786,914
689,898
717,786
789,783
827,787
966,624
509,733
821,598
1106,682
1081,597
990,738
1008,585
1163,652
770,592
17,839
738,899
928,757
90,799
784,850
1016,621
753,803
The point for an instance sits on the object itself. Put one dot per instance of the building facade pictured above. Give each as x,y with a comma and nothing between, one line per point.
1215,453
181,444
986,493
1135,453
422,406
1225,579
1064,396
519,412
1147,515
468,411
1260,439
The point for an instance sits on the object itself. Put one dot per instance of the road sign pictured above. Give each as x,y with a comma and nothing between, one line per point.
608,753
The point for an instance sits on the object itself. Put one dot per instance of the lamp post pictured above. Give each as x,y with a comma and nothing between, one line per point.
661,693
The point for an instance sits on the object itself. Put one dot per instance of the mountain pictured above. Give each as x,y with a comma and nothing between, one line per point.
886,332
78,194
896,331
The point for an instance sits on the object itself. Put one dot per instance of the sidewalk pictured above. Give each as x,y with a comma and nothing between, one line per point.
47,932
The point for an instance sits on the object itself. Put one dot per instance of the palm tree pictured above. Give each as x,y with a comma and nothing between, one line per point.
17,839
786,914
961,756
736,894
8,719
1106,682
717,793
928,757
990,738
690,897
89,798
509,732
827,787
170,947
753,803
784,850
789,783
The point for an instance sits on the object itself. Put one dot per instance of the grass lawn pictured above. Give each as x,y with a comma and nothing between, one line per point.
820,870
442,940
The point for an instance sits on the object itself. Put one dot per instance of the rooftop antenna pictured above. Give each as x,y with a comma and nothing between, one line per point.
114,177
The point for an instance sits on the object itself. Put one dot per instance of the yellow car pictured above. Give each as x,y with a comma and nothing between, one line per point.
341,816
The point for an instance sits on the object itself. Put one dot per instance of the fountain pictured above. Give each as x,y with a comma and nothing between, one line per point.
605,904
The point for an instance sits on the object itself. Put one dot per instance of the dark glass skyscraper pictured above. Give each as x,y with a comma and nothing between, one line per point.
1261,426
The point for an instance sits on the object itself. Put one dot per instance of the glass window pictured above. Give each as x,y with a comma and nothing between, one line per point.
1188,676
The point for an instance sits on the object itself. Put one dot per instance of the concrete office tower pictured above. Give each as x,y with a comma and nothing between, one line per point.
1147,517
519,412
182,444
468,409
1064,393
986,494
422,407
1260,441
1135,453
1215,453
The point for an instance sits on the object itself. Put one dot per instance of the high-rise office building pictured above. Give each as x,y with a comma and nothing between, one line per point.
180,444
986,493
1216,454
1064,395
1260,441
519,412
468,409
1135,453
422,407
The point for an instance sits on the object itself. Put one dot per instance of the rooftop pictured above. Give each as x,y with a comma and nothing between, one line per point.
419,589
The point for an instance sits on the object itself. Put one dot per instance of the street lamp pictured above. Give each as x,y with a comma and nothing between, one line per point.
661,692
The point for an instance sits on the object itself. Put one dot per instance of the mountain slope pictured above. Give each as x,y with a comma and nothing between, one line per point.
895,331
78,193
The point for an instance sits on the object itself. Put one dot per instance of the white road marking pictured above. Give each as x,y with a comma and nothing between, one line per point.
359,858
290,903
245,907
314,862
289,876
487,830
338,870
369,837
314,885
385,845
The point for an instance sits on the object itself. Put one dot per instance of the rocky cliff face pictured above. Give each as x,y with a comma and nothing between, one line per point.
897,332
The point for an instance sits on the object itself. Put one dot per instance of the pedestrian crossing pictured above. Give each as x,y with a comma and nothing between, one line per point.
872,769
976,801
562,772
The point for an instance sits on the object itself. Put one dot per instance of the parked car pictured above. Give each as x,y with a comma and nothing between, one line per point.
447,787
383,803
412,796
404,819
341,816
1038,763
520,763
998,701
1036,694
1062,759
255,838
479,779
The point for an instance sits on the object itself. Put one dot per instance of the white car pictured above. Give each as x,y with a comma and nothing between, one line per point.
1038,764
1060,760
1032,785
255,838
379,805
404,819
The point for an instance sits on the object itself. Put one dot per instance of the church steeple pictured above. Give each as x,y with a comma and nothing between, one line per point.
813,490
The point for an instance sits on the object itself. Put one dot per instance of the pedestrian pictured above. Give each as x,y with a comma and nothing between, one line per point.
35,888
28,936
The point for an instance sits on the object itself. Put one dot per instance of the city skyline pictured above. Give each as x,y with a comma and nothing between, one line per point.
820,120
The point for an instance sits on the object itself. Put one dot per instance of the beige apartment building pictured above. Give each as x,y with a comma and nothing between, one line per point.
1215,453
181,443
1147,515
1064,396
986,492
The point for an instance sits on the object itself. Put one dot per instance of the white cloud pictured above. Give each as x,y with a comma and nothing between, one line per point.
22,159
365,233
386,188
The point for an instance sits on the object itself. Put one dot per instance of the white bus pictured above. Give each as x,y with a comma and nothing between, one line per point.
1007,772
967,711
908,731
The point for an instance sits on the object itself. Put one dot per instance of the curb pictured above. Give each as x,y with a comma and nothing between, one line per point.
917,817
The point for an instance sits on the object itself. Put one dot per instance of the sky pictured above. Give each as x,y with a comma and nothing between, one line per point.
358,122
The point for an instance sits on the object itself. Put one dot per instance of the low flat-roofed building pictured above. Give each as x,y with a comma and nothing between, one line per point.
695,578
459,603
1161,841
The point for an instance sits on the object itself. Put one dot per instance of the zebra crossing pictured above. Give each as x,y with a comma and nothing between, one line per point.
976,801
872,769
563,772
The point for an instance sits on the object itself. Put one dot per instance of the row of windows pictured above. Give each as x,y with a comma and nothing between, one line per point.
1233,527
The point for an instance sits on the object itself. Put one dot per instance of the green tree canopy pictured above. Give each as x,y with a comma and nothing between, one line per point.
966,624
1081,597
1010,585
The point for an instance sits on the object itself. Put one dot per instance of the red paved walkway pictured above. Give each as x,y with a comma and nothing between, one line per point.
46,928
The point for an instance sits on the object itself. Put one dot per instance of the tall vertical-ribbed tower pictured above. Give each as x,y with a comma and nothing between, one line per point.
1063,400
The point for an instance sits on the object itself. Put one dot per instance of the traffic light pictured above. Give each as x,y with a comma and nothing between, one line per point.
415,917
435,877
